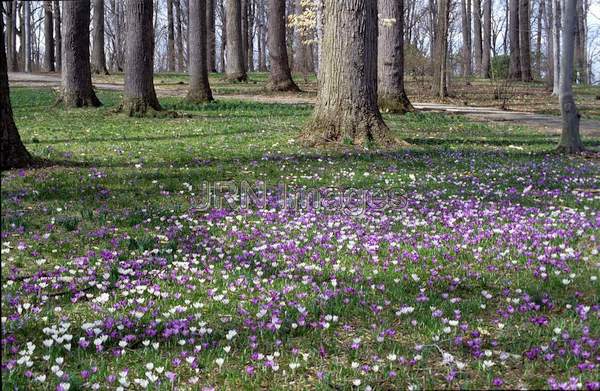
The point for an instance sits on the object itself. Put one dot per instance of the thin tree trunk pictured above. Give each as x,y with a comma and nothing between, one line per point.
581,43
98,56
525,40
466,35
570,141
244,11
439,85
12,36
250,48
556,55
477,40
139,96
198,68
538,40
487,39
515,51
223,35
391,95
77,90
13,153
58,36
170,37
280,78
27,35
346,109
235,69
178,29
549,20
211,34
48,37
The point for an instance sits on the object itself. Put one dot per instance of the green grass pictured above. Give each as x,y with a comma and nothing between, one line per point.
125,186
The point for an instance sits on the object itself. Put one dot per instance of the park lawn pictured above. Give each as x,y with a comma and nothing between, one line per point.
484,275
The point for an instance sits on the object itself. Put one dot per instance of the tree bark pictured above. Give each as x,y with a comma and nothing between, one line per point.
235,69
211,34
13,153
27,35
199,91
538,41
477,39
244,11
466,35
77,90
391,95
58,36
346,109
549,20
570,141
223,35
250,46
178,30
48,37
170,38
98,56
280,78
439,85
515,51
486,65
11,30
581,43
525,40
556,26
139,96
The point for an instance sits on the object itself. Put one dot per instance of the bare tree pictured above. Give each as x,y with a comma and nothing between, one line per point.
139,96
98,55
570,141
466,35
58,36
235,69
525,40
77,90
13,153
346,109
27,35
170,37
477,40
439,86
211,34
179,31
48,37
556,25
486,66
391,95
515,51
280,78
199,87
11,35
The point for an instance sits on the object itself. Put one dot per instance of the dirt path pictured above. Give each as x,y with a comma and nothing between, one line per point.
545,123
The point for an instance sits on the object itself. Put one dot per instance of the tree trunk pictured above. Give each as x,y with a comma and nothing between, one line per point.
548,21
486,65
570,141
466,35
48,37
280,78
391,95
178,29
346,109
13,153
223,35
556,44
211,36
58,36
525,40
98,56
477,40
250,48
439,85
11,30
538,40
77,90
235,69
244,10
581,43
199,87
170,38
139,96
515,52
27,35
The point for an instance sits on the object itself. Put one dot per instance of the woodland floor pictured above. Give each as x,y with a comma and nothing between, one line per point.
480,272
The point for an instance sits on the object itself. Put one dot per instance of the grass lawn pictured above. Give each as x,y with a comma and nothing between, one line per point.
483,275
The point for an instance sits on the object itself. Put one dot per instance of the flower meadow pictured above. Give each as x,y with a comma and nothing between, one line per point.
485,277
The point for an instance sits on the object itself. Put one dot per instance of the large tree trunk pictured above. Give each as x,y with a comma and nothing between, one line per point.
556,44
178,30
170,37
77,90
235,69
48,37
391,95
570,141
13,153
486,65
211,36
198,67
139,96
466,35
280,78
58,36
98,56
346,109
525,40
477,40
515,51
439,85
27,35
